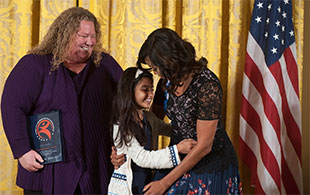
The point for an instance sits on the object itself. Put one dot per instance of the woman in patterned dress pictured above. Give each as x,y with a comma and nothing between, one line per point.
193,104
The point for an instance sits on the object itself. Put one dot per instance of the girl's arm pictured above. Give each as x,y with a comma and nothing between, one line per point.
205,136
164,158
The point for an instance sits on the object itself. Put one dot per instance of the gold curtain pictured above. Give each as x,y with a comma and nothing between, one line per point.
217,29
14,33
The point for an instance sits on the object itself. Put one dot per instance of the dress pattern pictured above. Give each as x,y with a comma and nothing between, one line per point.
217,172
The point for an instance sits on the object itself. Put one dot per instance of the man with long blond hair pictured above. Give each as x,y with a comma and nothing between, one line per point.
68,72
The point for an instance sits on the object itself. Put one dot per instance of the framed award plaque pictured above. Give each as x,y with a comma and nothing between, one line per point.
46,136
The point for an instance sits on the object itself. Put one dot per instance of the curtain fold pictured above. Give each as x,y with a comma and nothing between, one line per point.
14,42
49,10
217,29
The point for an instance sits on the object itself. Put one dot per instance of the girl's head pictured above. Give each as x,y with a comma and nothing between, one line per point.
135,89
171,57
134,93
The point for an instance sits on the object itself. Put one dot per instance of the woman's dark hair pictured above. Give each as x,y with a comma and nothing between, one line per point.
174,56
125,109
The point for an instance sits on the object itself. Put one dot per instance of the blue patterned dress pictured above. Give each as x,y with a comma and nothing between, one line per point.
217,172
142,176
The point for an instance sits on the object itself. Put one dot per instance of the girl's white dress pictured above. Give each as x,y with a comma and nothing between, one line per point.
121,180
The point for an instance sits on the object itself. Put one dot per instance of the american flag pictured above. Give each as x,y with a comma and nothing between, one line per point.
270,117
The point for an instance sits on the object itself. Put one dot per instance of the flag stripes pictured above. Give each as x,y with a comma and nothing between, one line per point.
270,117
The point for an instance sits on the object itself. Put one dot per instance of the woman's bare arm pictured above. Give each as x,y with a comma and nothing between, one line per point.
205,136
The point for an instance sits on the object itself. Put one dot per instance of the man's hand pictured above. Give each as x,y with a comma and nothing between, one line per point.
117,160
186,145
31,161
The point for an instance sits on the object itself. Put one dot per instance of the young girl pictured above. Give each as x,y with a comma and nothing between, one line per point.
132,135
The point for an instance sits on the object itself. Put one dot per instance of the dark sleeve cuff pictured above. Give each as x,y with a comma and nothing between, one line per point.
20,147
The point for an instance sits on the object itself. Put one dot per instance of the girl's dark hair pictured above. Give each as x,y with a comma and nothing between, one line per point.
125,112
174,56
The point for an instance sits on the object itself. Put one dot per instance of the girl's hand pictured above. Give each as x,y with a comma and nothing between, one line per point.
186,145
155,187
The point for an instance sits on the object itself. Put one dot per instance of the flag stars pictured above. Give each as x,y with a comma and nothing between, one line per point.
276,37
272,63
260,5
278,32
258,19
283,28
269,7
274,50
